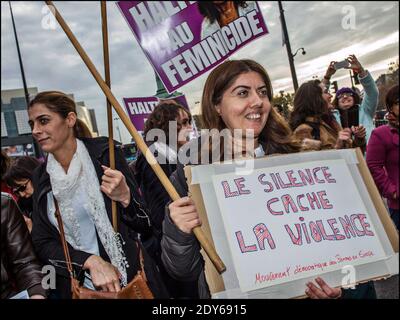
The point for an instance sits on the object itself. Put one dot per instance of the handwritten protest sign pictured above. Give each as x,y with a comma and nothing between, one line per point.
139,108
293,218
303,221
182,40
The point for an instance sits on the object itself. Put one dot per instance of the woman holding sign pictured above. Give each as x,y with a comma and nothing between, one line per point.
236,97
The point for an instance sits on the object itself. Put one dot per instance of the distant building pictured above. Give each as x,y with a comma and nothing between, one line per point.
88,116
16,134
93,120
384,83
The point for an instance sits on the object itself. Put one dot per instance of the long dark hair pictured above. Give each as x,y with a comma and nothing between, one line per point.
60,103
209,10
308,102
276,136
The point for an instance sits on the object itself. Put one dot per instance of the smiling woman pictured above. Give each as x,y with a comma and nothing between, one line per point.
75,177
236,97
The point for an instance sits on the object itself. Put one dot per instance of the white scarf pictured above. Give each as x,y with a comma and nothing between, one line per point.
81,171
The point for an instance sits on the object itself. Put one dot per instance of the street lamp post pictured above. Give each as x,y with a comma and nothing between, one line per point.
288,48
36,148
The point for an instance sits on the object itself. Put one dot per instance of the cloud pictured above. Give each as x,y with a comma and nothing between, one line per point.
51,62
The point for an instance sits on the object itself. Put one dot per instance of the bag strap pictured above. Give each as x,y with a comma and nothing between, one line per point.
141,260
66,250
63,241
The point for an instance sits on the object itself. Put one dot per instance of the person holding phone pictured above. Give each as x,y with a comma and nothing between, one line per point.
352,112
311,121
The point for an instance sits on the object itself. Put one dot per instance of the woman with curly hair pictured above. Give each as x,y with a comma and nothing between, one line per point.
171,123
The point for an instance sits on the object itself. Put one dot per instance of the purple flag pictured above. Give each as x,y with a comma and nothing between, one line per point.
184,39
139,109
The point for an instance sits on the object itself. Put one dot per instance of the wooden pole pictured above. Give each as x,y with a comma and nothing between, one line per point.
109,107
208,248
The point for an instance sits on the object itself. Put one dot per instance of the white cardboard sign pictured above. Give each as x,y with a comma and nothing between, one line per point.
291,222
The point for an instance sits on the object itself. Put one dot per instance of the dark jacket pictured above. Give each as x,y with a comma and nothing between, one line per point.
46,237
181,251
154,193
156,198
20,269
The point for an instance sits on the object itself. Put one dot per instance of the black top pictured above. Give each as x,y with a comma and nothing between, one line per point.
155,195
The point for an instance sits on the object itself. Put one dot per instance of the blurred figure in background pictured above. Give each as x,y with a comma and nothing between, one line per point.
383,155
20,269
19,178
313,123
5,163
348,101
155,196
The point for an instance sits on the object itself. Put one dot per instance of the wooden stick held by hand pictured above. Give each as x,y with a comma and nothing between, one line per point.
208,248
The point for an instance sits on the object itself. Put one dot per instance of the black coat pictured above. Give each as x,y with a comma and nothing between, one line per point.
131,220
157,199
155,195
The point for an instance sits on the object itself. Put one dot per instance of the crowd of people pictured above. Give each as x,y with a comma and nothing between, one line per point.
153,233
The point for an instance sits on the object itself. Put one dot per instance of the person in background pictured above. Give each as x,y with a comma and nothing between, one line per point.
20,269
313,123
19,178
164,116
383,155
5,163
347,100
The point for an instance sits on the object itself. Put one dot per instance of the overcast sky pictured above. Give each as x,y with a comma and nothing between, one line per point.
51,62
